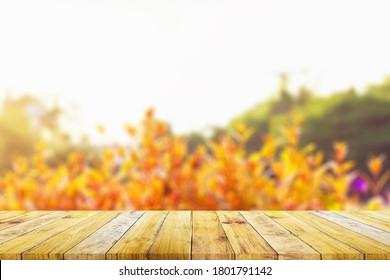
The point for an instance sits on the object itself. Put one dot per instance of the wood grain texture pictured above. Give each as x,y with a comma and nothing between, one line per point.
137,241
209,240
383,215
244,240
286,244
13,220
176,235
377,223
366,230
10,214
329,247
54,248
372,249
174,238
14,248
385,211
95,246
15,231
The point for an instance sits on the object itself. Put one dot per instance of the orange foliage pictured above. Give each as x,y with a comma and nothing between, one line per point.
156,171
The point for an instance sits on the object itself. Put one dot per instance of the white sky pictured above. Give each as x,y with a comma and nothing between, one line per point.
198,62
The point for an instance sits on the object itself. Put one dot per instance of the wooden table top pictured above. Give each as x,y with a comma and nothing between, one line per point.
194,235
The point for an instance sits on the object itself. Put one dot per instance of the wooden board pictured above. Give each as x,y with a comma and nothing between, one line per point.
10,214
12,249
20,229
245,241
197,235
54,248
377,223
174,238
20,218
371,249
383,216
366,230
209,240
95,246
288,246
329,247
137,241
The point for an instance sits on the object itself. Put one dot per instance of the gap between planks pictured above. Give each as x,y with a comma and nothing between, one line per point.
196,235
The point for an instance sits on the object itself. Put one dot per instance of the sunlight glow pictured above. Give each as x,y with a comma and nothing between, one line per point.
198,62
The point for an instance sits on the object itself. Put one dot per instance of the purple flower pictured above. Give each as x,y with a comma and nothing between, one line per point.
359,185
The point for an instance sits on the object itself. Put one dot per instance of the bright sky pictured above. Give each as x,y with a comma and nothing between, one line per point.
198,62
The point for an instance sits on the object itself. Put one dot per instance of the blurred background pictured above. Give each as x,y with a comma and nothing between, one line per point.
67,67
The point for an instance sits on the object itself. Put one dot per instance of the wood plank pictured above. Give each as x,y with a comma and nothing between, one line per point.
209,241
287,245
13,249
136,242
10,214
329,247
369,231
244,239
372,249
174,239
385,211
18,219
28,226
196,235
54,248
95,246
376,215
366,220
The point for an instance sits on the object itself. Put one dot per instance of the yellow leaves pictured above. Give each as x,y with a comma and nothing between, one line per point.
20,165
314,161
121,152
131,130
101,129
243,132
40,147
156,171
108,156
376,203
292,134
348,165
269,147
340,151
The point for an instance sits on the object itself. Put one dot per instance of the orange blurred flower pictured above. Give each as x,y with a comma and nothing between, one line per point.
340,151
375,164
149,113
131,130
160,129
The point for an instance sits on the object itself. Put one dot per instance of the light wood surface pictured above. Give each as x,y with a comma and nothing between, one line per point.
72,235
137,241
329,247
282,240
209,240
173,241
97,244
245,241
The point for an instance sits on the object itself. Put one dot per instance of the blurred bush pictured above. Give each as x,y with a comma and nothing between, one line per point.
362,119
155,170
